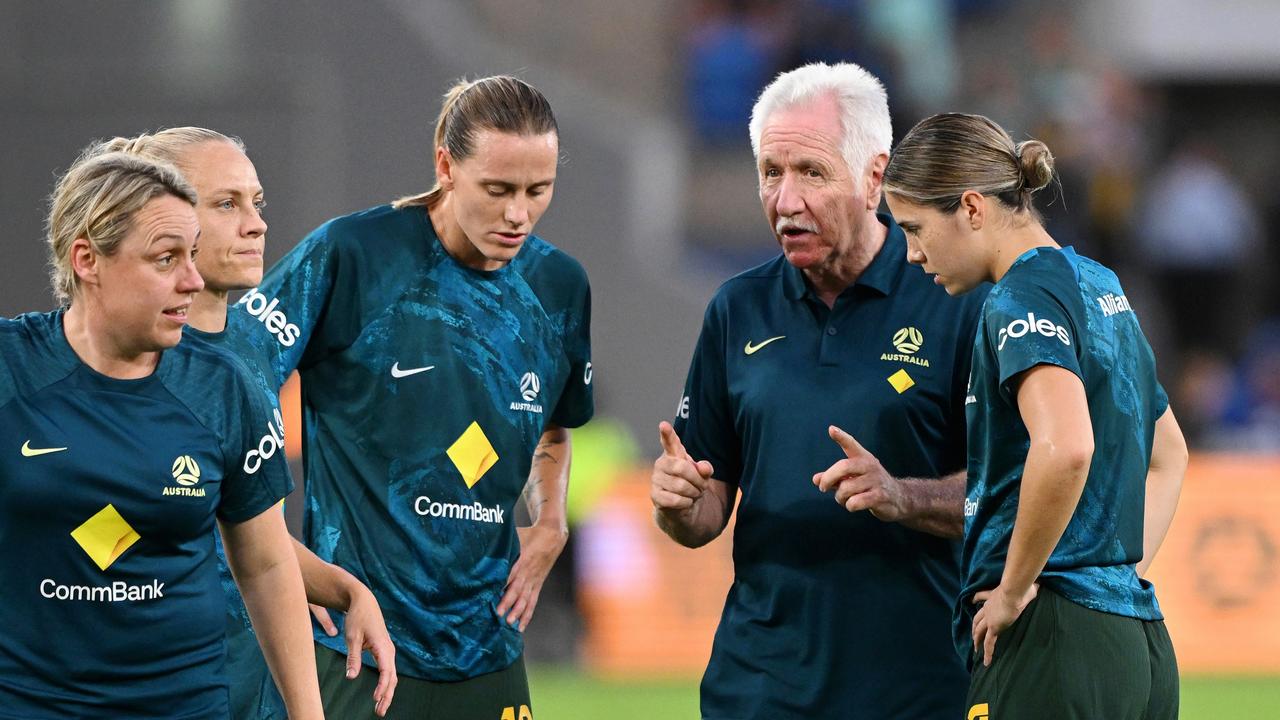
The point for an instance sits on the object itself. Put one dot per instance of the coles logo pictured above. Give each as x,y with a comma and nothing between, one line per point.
1021,327
268,445
264,309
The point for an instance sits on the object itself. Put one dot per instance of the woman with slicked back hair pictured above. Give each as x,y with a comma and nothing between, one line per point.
132,445
1075,457
444,352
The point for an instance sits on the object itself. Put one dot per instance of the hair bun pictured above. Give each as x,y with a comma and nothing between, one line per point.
1035,164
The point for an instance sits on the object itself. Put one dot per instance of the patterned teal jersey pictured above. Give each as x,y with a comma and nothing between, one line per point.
108,493
253,691
425,388
1055,307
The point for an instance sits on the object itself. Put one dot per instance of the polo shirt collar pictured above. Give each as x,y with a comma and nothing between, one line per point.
881,276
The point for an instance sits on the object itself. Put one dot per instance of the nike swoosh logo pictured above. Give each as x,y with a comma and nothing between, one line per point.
396,372
28,451
752,349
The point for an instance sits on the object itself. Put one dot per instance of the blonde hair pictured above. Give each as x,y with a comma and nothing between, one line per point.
501,103
864,107
947,154
96,199
167,145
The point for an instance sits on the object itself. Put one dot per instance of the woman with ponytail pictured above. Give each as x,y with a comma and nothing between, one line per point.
444,354
1075,458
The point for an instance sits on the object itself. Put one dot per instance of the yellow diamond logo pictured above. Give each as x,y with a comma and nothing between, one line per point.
901,381
105,536
472,454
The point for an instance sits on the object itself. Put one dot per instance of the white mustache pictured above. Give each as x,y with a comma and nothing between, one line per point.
785,224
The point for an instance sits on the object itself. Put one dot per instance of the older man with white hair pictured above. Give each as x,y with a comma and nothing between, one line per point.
837,609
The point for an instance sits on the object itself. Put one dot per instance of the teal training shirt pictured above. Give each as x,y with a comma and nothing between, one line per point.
426,386
1055,307
108,492
831,613
253,691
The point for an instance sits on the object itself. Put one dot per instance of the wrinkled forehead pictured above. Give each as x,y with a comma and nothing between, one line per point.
808,128
165,218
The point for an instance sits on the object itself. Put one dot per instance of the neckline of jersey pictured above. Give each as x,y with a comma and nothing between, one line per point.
881,275
213,337
432,238
1026,256
63,347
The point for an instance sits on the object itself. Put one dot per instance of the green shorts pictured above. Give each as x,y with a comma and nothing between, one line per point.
501,695
1064,661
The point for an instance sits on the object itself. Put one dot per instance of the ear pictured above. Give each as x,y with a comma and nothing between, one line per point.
84,261
875,180
973,209
444,168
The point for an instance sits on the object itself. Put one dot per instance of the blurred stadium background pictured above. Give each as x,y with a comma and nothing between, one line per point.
1162,113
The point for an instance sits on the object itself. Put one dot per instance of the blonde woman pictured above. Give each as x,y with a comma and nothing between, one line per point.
124,447
230,202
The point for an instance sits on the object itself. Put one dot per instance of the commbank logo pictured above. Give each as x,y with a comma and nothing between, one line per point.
276,322
1021,327
268,445
475,512
105,537
472,454
118,591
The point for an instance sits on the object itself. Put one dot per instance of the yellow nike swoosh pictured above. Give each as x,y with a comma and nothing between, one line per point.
751,349
28,451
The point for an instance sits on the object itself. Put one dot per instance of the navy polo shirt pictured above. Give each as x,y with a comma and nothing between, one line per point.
831,613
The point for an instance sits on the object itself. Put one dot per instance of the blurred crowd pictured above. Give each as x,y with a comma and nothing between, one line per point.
1145,187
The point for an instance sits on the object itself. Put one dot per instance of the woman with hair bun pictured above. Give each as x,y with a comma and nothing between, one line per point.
1075,458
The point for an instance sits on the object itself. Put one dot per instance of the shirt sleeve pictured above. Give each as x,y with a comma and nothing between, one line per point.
257,473
577,402
703,418
1160,402
1029,326
285,312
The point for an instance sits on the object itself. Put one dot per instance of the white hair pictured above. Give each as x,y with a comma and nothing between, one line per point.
864,107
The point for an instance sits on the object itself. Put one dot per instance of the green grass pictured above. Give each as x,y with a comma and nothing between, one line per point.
1237,698
566,694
